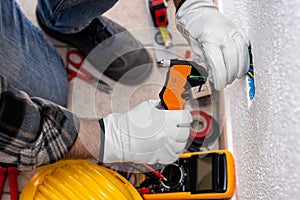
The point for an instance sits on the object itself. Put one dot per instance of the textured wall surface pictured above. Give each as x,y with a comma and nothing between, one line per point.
266,137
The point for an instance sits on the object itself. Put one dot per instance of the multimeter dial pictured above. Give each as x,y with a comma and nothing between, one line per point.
174,175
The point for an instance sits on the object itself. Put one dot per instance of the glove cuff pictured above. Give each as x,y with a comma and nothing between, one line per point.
113,140
188,7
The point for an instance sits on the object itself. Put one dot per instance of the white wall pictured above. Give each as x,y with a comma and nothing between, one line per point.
266,138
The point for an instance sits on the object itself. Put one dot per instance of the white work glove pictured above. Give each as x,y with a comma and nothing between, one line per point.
145,134
222,44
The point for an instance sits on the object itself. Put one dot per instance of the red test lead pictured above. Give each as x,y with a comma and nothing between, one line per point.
156,173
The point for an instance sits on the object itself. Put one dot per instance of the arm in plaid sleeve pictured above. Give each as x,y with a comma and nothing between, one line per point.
33,131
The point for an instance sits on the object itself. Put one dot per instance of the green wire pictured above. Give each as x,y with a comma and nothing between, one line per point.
194,76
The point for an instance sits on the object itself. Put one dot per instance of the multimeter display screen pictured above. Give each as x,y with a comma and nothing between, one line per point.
204,174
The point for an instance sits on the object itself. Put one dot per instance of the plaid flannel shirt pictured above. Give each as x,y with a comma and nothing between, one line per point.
33,131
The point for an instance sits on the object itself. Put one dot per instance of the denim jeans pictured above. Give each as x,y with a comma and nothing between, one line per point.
27,59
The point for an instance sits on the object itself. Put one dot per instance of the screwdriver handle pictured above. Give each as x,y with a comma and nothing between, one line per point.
2,179
13,183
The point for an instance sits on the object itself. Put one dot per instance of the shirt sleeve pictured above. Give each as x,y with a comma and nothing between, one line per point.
33,131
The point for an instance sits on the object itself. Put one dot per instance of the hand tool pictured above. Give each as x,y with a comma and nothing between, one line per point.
181,77
161,51
3,172
12,173
158,10
182,80
77,70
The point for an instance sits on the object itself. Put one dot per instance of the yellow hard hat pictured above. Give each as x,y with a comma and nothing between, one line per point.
78,179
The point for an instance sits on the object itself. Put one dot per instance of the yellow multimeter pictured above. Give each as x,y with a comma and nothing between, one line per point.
197,175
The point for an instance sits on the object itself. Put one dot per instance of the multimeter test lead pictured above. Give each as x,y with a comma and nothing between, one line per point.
156,173
152,172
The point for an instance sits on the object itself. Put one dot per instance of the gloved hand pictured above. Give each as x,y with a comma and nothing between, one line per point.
145,134
222,44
